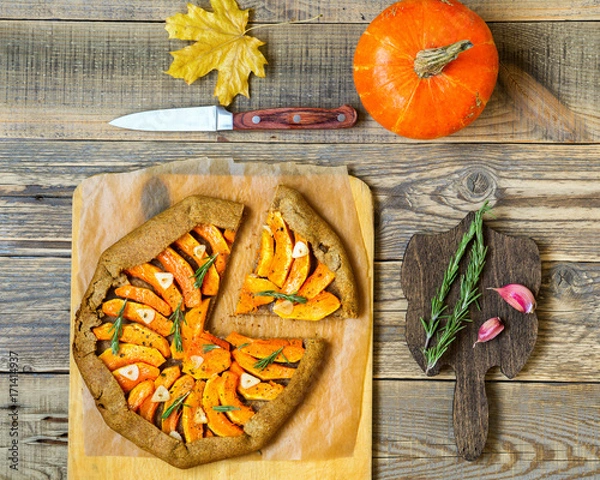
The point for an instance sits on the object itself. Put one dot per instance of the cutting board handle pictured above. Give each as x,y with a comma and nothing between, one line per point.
471,414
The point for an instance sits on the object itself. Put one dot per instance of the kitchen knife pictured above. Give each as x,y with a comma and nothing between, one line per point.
215,118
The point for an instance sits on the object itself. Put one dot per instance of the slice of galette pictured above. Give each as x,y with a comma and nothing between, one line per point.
302,271
158,377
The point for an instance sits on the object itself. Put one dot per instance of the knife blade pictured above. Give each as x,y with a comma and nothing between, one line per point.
216,118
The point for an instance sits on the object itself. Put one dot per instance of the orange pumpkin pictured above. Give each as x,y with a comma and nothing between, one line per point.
425,68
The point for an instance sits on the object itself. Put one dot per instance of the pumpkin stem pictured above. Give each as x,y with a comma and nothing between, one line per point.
431,61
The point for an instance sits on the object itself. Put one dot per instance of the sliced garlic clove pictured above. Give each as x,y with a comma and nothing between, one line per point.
200,416
285,307
300,250
489,329
147,315
165,279
517,296
176,435
161,394
196,360
248,381
199,251
131,372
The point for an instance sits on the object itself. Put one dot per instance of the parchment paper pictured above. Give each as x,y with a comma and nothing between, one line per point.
325,425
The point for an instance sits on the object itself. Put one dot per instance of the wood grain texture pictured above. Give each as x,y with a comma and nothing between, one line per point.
564,229
508,260
337,11
535,102
42,426
550,193
69,66
295,118
64,81
528,440
564,305
569,292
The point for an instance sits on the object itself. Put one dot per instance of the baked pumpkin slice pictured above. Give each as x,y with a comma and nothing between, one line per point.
158,376
302,270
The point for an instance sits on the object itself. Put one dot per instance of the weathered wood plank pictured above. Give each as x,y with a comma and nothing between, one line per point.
347,11
42,426
35,301
568,228
41,339
33,286
525,418
471,171
37,320
568,303
530,432
16,214
549,193
498,467
64,81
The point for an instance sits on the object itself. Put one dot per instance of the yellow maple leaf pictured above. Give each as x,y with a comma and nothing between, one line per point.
221,44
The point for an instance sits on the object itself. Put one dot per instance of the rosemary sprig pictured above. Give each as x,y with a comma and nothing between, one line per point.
174,406
292,297
209,347
177,317
117,329
469,294
437,303
201,272
225,408
265,362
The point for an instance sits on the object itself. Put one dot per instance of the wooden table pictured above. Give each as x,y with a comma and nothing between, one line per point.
67,67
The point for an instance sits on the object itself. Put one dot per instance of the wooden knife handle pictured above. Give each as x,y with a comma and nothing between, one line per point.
295,118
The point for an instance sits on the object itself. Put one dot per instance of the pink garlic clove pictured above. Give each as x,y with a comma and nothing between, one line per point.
517,296
490,329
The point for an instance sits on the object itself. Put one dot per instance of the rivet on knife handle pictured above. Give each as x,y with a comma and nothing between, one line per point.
295,118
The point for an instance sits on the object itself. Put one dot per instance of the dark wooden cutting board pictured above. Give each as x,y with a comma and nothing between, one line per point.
509,260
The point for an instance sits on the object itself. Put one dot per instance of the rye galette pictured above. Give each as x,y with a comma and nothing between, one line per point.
302,271
158,377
